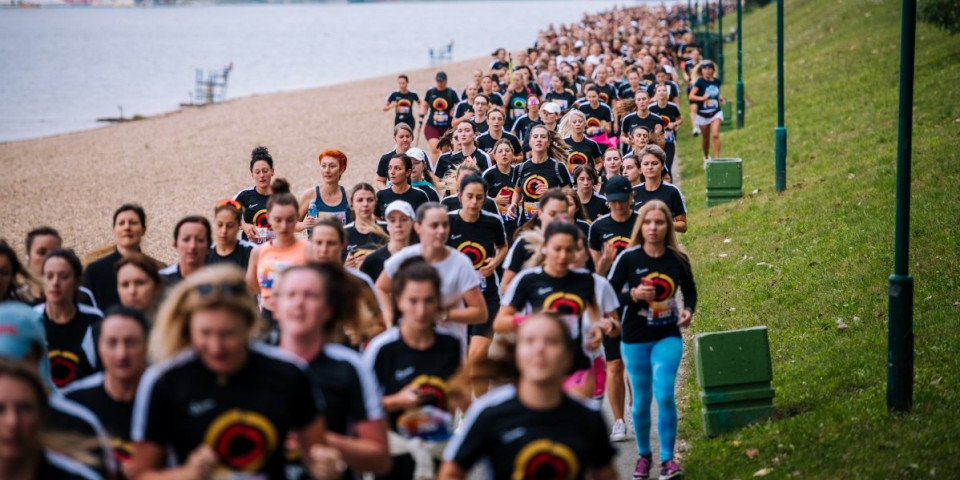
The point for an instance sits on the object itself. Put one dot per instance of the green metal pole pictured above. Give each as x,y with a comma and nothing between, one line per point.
720,32
900,316
690,17
740,103
781,131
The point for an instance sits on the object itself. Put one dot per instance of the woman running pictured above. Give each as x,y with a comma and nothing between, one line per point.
586,190
654,269
191,239
654,188
228,248
631,170
530,428
254,199
39,241
481,237
400,218
421,177
555,287
399,171
540,173
139,284
329,197
440,101
583,150
412,362
312,319
495,121
612,166
269,259
129,226
706,94
599,118
122,346
501,178
69,325
465,136
23,398
402,138
554,205
670,113
244,397
364,234
402,101
462,301
560,94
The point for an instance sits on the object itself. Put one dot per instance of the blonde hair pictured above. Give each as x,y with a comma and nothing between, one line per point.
565,128
171,333
636,237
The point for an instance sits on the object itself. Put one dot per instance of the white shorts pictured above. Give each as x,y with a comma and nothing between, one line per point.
705,121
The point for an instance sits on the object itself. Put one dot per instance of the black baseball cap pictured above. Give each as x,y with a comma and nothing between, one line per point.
707,63
441,76
618,189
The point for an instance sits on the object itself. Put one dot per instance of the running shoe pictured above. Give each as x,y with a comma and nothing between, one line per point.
670,469
696,132
642,472
619,431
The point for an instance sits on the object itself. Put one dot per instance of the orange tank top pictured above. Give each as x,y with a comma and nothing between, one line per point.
274,260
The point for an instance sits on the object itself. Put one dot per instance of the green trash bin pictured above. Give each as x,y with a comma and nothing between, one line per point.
735,374
727,123
724,180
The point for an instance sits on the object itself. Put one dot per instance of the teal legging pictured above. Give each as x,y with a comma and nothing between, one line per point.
652,368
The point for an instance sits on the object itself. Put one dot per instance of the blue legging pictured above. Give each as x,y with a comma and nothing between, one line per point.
652,368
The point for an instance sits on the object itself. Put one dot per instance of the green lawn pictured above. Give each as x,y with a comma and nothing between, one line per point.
820,252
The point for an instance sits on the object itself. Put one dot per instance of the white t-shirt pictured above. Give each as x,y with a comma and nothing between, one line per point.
457,276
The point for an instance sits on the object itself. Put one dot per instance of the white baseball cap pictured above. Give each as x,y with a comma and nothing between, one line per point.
550,107
399,206
417,154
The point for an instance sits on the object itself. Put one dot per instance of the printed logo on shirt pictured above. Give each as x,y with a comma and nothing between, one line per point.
260,219
403,106
618,242
122,450
565,303
593,122
545,458
474,251
513,434
440,104
63,367
544,290
432,390
605,97
199,408
403,373
243,440
532,184
454,237
575,159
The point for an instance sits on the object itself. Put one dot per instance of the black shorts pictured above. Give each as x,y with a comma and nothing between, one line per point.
486,329
611,348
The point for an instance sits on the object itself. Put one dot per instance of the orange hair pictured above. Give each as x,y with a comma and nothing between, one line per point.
336,154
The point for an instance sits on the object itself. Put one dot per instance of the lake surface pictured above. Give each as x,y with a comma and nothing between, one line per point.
62,68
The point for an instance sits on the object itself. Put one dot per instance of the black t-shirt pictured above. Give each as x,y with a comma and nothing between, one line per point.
667,193
170,275
452,161
486,142
517,256
254,208
533,290
585,152
240,256
708,108
403,109
596,207
363,242
72,347
69,417
523,125
452,202
441,105
481,126
566,441
651,321
61,467
625,91
652,121
673,90
530,176
101,279
494,97
605,229
244,418
373,263
113,415
564,99
516,106
597,115
671,112
478,241
462,108
396,365
608,93
414,196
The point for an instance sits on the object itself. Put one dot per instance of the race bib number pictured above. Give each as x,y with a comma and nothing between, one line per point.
440,118
662,313
711,104
668,136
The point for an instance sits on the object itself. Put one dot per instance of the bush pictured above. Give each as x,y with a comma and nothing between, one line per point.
941,13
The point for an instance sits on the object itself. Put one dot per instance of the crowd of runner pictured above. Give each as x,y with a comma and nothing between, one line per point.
472,303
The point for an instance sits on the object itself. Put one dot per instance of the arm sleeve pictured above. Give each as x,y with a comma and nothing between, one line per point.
516,295
594,242
677,205
151,413
517,148
382,167
687,286
618,273
307,401
515,256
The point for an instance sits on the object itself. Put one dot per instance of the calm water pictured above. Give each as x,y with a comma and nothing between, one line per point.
60,69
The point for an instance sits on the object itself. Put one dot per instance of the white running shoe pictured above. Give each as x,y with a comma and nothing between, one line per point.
696,132
619,431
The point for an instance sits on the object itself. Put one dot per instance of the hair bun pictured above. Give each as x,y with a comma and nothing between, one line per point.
280,185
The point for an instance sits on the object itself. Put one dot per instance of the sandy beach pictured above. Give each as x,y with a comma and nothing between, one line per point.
183,162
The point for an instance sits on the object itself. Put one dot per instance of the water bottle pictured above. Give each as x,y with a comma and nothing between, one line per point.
312,213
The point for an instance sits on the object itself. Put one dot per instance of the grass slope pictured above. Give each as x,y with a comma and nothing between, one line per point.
826,247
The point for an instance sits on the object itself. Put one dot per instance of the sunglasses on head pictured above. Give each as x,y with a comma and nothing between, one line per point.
207,289
229,202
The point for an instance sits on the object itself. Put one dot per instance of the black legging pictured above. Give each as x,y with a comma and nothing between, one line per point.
670,149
